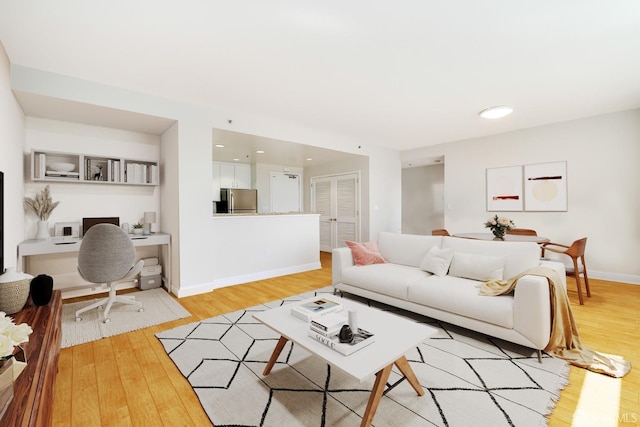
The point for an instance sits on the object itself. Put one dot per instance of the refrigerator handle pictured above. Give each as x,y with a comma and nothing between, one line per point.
231,207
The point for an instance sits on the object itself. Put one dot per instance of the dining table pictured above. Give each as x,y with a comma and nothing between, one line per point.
507,237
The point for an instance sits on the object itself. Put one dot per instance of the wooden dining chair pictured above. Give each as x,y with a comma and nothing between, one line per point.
575,251
522,232
440,232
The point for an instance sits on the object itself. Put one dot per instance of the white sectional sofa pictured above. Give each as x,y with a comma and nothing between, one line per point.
522,317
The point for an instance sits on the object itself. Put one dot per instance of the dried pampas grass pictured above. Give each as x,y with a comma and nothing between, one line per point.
41,205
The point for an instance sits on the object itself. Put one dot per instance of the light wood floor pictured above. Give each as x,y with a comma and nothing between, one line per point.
129,380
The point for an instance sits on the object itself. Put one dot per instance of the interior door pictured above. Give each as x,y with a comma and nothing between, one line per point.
285,192
336,198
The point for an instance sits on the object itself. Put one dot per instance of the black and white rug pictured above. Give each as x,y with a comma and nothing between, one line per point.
469,378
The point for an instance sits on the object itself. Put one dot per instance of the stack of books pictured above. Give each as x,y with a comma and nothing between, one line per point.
326,330
315,308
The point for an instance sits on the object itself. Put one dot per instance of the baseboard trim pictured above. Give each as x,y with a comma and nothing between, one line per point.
245,278
614,277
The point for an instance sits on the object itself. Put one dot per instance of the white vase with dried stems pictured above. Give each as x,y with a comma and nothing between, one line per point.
42,206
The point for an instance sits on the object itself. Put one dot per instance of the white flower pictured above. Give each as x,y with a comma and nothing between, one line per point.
20,333
11,334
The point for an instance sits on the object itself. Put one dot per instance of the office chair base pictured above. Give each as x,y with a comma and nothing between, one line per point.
108,302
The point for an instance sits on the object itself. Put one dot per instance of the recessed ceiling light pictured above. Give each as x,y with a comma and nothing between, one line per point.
309,159
219,145
496,112
260,152
236,160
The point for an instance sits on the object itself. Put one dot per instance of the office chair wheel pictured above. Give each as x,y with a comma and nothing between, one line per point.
140,310
107,320
78,319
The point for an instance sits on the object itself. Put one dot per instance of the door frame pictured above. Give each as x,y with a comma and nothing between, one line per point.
358,201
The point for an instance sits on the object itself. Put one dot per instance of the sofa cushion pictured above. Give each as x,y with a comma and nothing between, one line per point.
460,296
437,261
520,255
406,249
388,279
477,267
365,253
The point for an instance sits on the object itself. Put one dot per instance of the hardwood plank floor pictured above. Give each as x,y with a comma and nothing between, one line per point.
128,380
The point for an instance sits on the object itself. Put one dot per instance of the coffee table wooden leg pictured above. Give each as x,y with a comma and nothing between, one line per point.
376,394
405,368
274,356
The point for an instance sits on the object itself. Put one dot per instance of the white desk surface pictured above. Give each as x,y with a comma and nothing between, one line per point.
34,247
395,336
43,247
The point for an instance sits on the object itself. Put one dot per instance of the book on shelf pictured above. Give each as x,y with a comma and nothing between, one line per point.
317,307
360,340
61,174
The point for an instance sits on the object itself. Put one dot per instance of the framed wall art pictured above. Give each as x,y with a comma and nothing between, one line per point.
545,187
504,189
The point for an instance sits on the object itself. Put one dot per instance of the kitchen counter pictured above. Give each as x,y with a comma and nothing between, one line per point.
259,246
216,215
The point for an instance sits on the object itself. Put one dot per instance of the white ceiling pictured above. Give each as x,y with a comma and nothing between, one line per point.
403,74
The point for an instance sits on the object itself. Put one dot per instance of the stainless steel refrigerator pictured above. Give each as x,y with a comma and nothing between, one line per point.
236,200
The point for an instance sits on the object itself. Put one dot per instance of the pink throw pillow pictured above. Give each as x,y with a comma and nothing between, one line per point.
365,253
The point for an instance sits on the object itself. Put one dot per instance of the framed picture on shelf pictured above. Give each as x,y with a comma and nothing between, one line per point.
504,189
545,187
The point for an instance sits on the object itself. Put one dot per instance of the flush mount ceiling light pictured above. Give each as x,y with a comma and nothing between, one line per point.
496,112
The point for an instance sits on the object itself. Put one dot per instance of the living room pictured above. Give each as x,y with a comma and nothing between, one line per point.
601,150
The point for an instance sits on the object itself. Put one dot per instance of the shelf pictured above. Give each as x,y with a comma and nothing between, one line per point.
84,168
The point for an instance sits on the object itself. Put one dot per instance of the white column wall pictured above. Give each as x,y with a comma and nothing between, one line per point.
11,139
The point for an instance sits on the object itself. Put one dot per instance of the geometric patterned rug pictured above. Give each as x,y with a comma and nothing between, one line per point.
468,378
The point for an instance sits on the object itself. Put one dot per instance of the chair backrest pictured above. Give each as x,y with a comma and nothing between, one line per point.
522,232
439,232
577,248
106,254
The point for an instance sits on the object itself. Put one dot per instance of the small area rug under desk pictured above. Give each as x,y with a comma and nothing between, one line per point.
159,307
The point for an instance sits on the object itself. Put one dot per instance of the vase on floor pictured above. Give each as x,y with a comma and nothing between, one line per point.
42,232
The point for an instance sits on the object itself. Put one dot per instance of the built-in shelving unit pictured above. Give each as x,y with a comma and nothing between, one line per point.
73,167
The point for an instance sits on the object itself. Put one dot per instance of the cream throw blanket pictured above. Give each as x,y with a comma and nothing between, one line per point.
565,340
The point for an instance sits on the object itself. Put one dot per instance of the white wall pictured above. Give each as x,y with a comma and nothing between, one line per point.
602,155
11,138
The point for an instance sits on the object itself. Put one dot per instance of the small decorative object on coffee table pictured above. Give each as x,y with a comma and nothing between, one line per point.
499,226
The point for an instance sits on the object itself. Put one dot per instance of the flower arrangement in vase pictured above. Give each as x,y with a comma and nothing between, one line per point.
42,205
11,335
499,226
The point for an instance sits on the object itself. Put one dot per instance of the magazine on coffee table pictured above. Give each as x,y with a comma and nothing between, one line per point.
360,340
314,308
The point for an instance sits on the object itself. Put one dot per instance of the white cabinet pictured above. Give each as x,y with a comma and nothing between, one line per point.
230,175
85,168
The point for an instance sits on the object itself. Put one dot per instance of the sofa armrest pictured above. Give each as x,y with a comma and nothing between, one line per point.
532,309
340,258
558,267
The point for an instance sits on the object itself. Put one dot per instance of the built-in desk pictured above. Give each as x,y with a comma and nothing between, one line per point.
32,247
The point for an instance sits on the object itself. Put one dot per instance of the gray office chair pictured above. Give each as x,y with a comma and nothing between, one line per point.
107,256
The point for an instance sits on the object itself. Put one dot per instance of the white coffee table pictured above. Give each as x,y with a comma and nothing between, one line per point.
395,336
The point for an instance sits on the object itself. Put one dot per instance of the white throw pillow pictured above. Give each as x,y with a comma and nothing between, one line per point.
477,267
437,261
